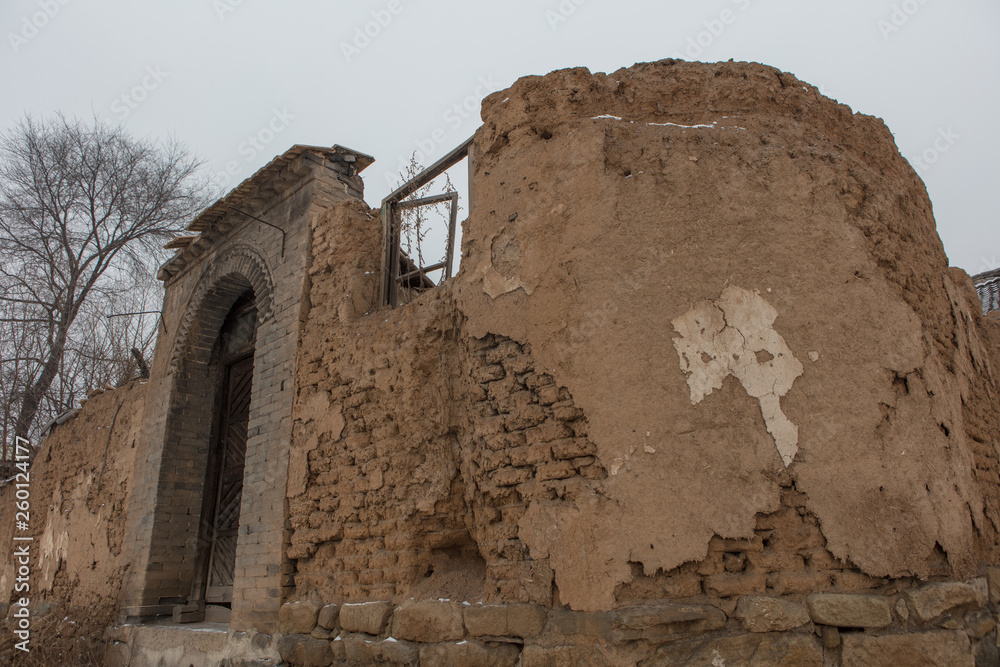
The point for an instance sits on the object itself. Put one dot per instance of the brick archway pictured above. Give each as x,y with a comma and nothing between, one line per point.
176,535
235,269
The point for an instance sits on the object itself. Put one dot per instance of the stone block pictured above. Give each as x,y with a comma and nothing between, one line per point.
933,649
849,611
305,651
357,650
297,618
329,617
931,600
368,617
752,650
339,649
469,654
516,620
993,583
761,613
428,621
592,624
980,625
394,652
902,611
561,656
664,621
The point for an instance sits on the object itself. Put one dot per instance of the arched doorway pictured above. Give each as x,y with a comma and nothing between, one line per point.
233,361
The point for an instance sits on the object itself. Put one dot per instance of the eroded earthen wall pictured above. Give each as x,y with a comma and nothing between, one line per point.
704,388
704,348
79,485
676,239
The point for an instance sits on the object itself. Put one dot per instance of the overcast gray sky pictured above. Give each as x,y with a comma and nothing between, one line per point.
240,81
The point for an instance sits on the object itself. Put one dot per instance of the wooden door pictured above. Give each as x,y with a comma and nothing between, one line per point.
232,455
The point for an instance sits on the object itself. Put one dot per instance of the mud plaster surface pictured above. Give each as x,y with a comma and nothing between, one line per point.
80,482
609,206
734,335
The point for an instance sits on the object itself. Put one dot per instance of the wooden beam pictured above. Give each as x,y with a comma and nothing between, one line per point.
430,173
425,269
424,201
450,248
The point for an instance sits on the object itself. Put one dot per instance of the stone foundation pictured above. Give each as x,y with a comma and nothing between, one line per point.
942,623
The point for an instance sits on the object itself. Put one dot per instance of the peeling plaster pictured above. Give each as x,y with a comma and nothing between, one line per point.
734,335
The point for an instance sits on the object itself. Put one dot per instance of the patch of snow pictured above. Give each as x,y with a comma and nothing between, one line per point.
221,630
713,126
714,123
605,116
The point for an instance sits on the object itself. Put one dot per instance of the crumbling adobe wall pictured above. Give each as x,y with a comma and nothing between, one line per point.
704,343
80,482
724,268
374,496
417,450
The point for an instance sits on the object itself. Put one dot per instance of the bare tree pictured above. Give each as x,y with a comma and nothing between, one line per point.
84,211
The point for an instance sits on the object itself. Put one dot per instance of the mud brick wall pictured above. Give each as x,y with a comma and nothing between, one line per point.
419,449
416,448
527,441
375,499
80,482
787,556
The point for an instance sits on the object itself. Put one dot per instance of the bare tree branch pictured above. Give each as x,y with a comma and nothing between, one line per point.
84,211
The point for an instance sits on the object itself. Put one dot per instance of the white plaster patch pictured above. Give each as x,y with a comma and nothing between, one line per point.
734,335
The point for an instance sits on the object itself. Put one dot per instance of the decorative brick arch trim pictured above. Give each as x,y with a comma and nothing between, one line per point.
232,271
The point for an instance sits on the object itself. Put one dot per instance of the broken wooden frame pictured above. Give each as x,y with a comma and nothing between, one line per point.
399,269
